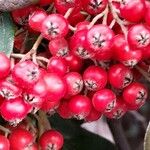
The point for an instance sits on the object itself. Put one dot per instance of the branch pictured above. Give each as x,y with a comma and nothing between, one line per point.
118,134
9,5
147,139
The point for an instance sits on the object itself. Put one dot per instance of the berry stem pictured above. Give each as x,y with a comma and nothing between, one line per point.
72,28
19,31
34,48
5,130
112,23
105,16
20,56
96,18
116,17
144,73
29,120
147,138
118,134
44,120
69,11
40,125
50,8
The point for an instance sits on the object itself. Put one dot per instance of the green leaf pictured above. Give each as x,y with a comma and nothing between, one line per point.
147,138
77,138
7,31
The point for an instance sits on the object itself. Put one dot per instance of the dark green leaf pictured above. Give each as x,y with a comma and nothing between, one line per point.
7,31
76,138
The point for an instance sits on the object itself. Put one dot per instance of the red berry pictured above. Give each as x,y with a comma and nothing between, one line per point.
50,106
4,143
54,26
59,47
80,106
147,13
99,38
52,140
74,63
63,111
74,83
132,10
8,90
135,95
56,87
36,19
76,17
20,139
95,78
128,57
26,74
14,110
104,100
57,65
120,76
79,46
118,111
139,36
94,6
82,25
5,65
63,5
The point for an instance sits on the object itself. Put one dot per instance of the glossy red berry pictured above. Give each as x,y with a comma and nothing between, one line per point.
63,111
94,6
50,106
57,65
79,46
23,138
76,17
59,47
139,36
26,74
56,87
63,5
147,13
104,100
52,140
82,25
9,90
54,26
4,143
14,110
118,111
99,38
5,65
36,19
135,95
74,83
120,76
39,88
95,78
80,106
74,63
129,57
132,11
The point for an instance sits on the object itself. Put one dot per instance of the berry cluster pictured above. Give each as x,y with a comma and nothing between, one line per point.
21,138
98,50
